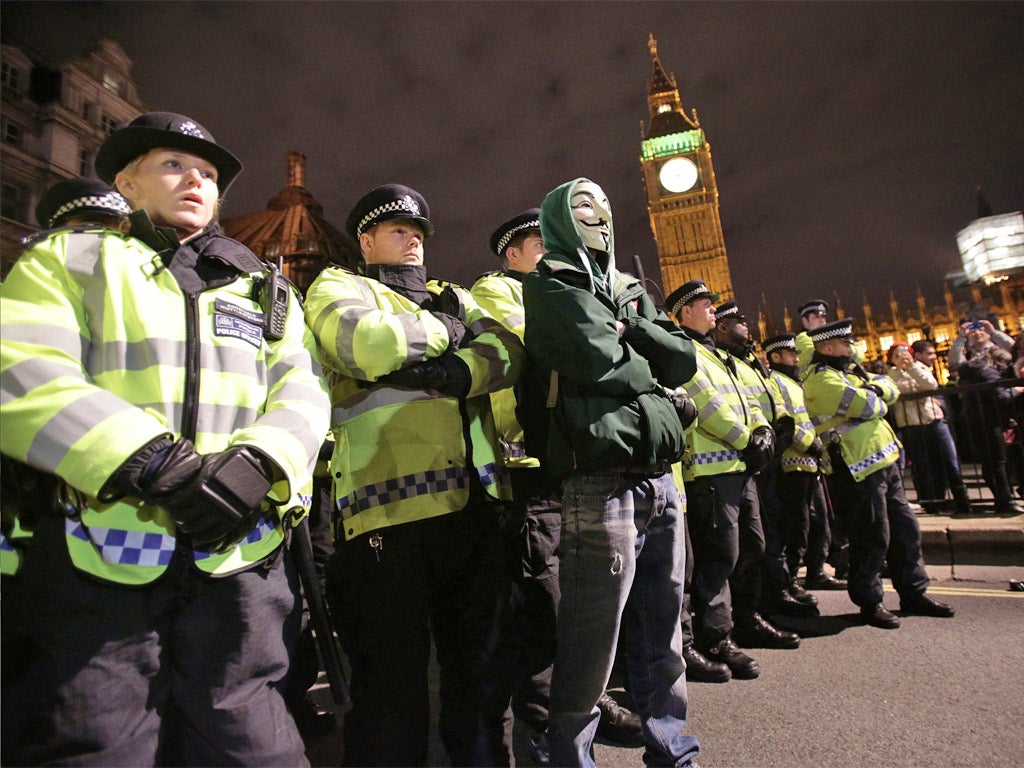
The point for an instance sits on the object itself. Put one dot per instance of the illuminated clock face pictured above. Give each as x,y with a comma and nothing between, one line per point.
678,175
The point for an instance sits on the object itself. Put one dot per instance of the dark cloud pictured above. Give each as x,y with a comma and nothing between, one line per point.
848,138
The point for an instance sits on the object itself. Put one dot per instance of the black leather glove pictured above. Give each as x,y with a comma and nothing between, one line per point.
220,504
876,389
685,409
760,450
785,430
446,374
457,330
158,468
816,449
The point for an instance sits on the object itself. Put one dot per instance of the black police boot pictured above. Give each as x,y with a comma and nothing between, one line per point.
782,602
700,669
757,632
743,667
310,719
618,724
538,746
801,594
877,616
822,580
923,605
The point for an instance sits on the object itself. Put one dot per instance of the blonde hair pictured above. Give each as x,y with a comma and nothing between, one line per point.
132,168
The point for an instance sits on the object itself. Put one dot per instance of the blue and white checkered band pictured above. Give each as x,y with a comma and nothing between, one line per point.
690,296
821,309
729,312
404,204
507,237
780,344
841,332
191,129
118,205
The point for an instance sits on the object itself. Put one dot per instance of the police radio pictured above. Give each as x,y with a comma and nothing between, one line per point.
274,295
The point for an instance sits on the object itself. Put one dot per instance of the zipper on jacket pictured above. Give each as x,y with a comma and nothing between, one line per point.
190,411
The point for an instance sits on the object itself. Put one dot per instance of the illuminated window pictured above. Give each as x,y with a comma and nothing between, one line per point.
885,342
113,83
941,336
913,336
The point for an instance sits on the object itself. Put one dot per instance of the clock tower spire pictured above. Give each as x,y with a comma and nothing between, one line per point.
682,195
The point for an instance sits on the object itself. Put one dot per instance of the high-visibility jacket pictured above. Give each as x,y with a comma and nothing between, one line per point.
500,294
725,417
402,454
102,352
757,385
844,411
795,458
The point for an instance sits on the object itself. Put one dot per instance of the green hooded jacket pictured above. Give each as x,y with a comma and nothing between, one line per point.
596,397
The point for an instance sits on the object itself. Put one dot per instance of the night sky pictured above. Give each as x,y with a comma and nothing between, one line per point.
849,139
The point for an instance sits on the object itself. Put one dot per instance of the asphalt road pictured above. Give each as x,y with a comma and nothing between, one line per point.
936,692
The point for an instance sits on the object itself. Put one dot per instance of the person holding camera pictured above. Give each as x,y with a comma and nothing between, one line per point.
980,354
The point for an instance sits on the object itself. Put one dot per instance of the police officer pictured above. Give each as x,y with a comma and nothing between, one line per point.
799,483
732,441
848,407
142,371
417,470
732,336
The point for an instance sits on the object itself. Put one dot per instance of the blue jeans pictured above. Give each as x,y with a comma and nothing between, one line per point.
622,569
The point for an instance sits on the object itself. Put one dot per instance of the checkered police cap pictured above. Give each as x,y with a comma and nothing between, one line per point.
729,310
782,341
837,329
526,221
76,196
686,293
814,305
387,202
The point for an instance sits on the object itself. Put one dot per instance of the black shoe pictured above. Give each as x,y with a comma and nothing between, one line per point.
823,580
925,606
759,633
784,603
877,616
799,593
725,652
1009,508
618,724
700,669
538,746
310,719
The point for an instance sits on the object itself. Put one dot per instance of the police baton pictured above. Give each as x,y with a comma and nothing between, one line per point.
326,641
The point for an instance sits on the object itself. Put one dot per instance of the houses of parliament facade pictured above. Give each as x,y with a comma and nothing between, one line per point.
54,118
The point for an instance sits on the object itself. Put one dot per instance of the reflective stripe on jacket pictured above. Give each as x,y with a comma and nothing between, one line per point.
844,411
401,454
500,295
100,351
725,417
794,458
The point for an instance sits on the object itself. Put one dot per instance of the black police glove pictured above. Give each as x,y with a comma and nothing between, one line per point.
876,389
858,369
457,330
219,506
158,468
446,374
785,430
816,449
685,409
760,450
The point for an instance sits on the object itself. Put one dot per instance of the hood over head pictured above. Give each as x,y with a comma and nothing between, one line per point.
561,229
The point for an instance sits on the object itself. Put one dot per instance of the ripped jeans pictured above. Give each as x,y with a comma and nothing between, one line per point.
621,576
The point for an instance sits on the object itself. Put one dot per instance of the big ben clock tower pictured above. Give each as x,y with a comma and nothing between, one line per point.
682,196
